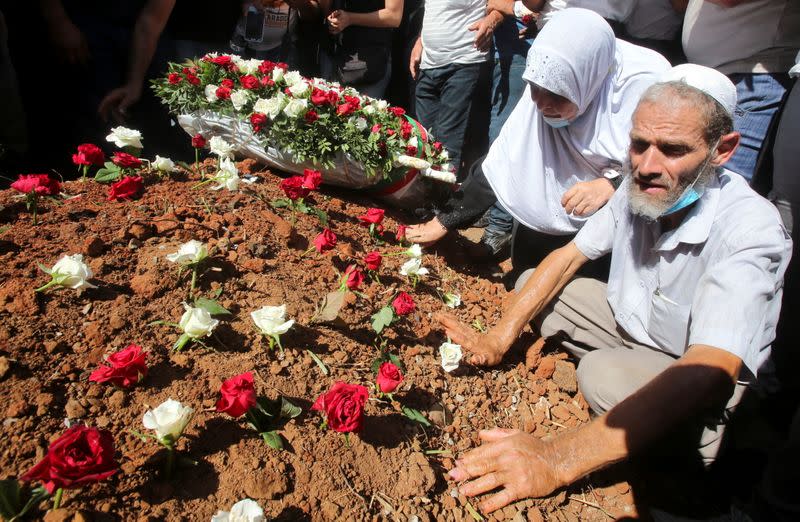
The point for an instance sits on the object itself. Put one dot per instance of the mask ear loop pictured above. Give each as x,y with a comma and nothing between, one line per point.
696,179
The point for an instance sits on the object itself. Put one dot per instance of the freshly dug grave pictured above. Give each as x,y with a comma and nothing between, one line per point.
394,469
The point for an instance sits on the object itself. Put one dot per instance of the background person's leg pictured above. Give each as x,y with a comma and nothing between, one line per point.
455,103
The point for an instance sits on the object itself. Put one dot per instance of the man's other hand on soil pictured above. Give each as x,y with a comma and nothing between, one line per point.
515,463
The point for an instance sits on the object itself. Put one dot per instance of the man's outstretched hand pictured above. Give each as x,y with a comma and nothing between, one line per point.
484,349
515,463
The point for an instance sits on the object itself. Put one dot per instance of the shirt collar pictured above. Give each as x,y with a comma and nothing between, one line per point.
696,226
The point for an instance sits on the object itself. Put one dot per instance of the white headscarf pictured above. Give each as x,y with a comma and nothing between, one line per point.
531,165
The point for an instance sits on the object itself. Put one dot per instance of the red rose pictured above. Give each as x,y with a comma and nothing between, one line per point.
373,217
257,121
311,116
293,187
437,146
527,19
312,179
194,80
288,92
353,277
174,78
319,97
382,148
325,241
397,111
40,184
333,98
237,395
126,188
390,132
353,100
376,128
403,304
389,377
125,160
227,82
80,455
282,65
411,150
373,260
249,81
405,130
343,407
198,141
223,61
401,233
223,93
266,67
123,368
345,109
266,81
88,154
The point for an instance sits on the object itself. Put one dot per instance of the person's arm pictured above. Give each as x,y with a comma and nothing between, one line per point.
149,25
388,17
70,42
416,58
534,5
523,466
552,274
484,29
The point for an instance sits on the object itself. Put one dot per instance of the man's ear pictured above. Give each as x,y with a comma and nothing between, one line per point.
728,144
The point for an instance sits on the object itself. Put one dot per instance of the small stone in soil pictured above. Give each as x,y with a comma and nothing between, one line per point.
5,366
74,410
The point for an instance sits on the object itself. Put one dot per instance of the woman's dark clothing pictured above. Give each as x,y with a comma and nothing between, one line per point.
467,204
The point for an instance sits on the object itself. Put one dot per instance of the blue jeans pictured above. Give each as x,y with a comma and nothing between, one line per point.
507,89
759,97
443,104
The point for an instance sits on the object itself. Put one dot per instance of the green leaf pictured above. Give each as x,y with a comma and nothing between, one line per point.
280,203
474,514
319,362
181,342
415,415
382,319
273,439
211,306
216,293
10,498
4,229
321,215
289,410
108,174
301,207
44,269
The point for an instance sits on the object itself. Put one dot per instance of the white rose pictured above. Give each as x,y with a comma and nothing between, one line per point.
243,511
239,98
277,74
227,176
414,251
72,272
444,155
451,356
211,92
412,162
369,109
163,164
271,107
189,253
381,104
295,108
124,137
300,88
271,320
210,55
292,77
250,66
361,124
168,419
413,267
441,175
220,147
452,300
197,322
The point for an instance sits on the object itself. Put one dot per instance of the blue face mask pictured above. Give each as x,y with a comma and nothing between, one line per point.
691,195
556,123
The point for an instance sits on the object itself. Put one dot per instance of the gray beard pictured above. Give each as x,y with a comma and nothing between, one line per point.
650,208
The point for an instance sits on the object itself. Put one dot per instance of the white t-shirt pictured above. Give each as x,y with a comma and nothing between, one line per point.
446,38
716,279
618,10
654,20
760,36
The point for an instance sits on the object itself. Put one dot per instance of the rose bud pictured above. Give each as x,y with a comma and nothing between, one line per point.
403,304
88,154
389,377
373,217
123,368
237,395
373,260
397,111
168,420
257,121
174,78
325,241
312,179
189,253
401,233
353,277
249,81
197,322
125,160
39,184
293,188
79,456
198,141
451,356
69,272
271,321
311,116
126,188
343,407
243,511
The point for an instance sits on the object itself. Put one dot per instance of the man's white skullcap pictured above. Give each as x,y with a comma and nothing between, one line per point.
706,79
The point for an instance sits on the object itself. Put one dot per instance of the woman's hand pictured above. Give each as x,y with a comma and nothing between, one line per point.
338,21
426,234
587,197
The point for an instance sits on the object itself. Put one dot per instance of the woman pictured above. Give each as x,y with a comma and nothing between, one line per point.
560,154
360,53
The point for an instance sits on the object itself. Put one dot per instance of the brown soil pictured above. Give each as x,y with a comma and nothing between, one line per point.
51,342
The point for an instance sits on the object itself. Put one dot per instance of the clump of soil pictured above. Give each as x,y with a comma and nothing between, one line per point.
395,469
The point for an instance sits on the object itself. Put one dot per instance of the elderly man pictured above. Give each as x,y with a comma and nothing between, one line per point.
686,320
